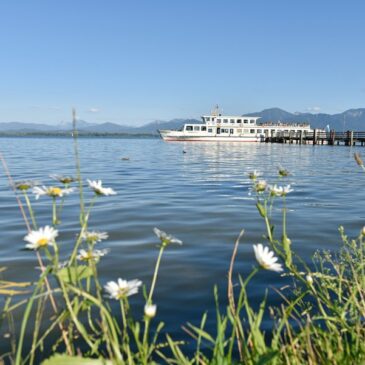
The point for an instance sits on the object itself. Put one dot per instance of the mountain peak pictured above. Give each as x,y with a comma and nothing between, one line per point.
352,119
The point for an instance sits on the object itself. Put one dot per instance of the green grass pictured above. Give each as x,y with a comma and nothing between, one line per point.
320,319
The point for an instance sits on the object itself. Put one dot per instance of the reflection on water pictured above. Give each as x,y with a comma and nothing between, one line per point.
200,196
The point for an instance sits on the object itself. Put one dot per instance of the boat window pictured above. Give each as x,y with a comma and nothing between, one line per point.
232,120
245,121
225,120
252,121
266,131
213,119
231,131
252,131
286,131
189,128
204,128
196,128
239,130
219,120
245,131
239,121
259,131
207,119
210,130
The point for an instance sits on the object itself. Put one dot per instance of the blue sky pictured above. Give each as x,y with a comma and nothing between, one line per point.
132,62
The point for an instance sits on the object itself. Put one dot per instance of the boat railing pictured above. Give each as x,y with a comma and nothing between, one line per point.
282,124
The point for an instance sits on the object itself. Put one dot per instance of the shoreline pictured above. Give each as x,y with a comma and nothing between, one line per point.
81,135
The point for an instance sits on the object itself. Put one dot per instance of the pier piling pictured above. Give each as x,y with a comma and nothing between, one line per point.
318,137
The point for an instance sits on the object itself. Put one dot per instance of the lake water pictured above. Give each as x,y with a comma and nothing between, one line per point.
201,197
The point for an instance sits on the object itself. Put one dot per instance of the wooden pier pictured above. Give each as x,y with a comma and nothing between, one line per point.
319,137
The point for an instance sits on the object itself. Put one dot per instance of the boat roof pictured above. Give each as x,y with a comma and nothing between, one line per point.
231,116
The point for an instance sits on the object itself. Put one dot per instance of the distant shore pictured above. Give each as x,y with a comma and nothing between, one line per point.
80,134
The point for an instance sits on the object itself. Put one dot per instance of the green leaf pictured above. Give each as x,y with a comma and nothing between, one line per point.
261,209
74,360
286,242
71,274
202,333
267,358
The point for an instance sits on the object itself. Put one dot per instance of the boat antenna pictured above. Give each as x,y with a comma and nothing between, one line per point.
215,111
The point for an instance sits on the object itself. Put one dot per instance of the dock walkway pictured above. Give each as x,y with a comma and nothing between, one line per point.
348,138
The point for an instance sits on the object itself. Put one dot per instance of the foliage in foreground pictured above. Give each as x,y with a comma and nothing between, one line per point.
320,319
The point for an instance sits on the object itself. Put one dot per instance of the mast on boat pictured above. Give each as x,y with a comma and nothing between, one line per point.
215,111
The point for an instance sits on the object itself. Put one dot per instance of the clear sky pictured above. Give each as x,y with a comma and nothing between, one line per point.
132,62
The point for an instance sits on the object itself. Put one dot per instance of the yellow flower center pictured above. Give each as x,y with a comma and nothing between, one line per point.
23,187
92,237
66,180
42,242
122,293
88,256
55,191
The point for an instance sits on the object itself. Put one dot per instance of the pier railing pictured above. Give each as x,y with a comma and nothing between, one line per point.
348,138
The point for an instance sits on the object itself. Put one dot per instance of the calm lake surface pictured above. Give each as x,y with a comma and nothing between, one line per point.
201,197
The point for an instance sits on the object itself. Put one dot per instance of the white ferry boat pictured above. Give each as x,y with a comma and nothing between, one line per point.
230,128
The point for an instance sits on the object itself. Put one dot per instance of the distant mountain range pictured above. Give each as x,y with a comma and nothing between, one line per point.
353,119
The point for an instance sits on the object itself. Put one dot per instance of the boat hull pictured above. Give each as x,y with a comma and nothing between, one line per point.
173,136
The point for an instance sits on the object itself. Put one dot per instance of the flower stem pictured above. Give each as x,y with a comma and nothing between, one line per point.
54,211
31,213
78,168
149,300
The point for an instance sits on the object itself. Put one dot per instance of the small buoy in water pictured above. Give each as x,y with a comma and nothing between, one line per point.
125,158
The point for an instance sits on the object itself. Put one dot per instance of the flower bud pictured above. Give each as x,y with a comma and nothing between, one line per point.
150,310
283,172
309,279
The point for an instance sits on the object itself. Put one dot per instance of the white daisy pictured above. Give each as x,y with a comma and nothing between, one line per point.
63,179
287,189
41,238
253,175
275,190
91,255
98,189
165,238
260,186
94,236
266,258
122,288
150,310
24,184
53,191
